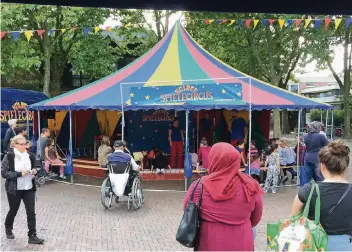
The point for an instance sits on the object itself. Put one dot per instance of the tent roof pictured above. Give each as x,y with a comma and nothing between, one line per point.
176,60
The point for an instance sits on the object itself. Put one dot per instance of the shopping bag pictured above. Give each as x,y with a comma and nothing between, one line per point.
298,233
118,183
68,169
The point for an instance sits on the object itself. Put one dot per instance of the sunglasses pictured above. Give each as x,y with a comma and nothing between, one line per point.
22,144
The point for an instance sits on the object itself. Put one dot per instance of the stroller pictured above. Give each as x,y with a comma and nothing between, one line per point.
42,176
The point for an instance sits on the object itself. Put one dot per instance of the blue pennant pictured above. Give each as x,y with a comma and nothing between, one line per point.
51,32
240,22
265,22
86,30
348,22
16,35
317,23
289,22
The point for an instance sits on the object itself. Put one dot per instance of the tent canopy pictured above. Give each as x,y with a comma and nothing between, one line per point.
176,60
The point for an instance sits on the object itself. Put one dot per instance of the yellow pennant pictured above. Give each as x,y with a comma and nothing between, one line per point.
307,22
232,22
96,29
337,22
211,21
255,23
128,25
63,30
28,34
281,23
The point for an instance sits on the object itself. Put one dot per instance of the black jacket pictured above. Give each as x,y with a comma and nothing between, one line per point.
8,172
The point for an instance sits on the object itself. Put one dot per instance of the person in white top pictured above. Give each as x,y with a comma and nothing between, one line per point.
119,147
18,168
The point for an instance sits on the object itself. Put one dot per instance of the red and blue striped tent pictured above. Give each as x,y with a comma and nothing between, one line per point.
176,60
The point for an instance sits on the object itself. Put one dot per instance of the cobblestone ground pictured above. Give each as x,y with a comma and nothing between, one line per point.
72,218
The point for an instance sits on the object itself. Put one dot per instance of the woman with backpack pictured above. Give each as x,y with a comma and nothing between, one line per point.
335,197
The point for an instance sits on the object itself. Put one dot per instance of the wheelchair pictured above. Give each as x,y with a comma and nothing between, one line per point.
133,189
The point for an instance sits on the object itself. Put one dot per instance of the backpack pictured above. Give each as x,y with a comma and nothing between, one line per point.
298,233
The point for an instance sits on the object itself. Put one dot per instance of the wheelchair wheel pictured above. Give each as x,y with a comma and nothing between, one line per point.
106,193
41,181
137,195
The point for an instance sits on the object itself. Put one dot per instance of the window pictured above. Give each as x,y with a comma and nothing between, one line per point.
309,84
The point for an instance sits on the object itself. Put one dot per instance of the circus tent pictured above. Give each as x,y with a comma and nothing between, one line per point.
176,60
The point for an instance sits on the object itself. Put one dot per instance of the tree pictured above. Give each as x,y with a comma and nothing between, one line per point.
52,49
323,51
268,53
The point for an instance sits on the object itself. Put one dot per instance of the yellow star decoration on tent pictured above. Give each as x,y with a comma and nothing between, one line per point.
131,94
239,93
147,97
223,91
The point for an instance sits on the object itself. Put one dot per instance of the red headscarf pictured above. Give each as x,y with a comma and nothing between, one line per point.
224,174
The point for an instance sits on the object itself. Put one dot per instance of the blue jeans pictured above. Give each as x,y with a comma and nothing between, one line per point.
339,243
310,171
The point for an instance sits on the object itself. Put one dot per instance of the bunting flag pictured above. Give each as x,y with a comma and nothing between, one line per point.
265,22
3,33
289,22
86,30
307,22
337,22
240,22
248,23
317,23
107,28
281,23
51,32
211,21
40,32
63,30
15,35
28,34
96,29
272,21
298,22
255,23
232,22
327,22
348,21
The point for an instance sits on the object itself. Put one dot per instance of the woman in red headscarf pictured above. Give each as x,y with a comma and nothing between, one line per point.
231,203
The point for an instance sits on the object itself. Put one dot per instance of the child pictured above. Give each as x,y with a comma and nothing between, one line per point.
240,148
151,156
272,166
160,162
254,157
144,160
52,157
203,154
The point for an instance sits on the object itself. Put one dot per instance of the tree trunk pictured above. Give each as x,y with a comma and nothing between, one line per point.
285,122
46,86
277,122
347,87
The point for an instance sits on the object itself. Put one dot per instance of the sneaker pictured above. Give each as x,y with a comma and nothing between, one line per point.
265,191
9,234
294,179
274,192
33,239
62,176
53,175
284,180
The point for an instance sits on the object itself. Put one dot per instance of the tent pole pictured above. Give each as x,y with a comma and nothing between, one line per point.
198,132
188,180
250,126
70,143
332,123
38,143
298,141
27,123
326,120
122,116
321,116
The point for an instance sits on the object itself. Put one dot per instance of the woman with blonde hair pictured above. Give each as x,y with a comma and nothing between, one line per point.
103,151
18,168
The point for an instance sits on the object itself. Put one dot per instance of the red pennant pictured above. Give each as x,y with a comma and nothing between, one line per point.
206,21
271,21
74,28
40,32
248,23
298,22
3,33
107,28
223,21
327,22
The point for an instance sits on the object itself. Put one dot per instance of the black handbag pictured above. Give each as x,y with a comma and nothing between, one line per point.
188,230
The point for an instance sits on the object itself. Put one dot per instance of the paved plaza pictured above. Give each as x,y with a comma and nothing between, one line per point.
71,217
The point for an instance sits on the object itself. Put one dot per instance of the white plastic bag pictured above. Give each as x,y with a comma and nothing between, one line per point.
118,183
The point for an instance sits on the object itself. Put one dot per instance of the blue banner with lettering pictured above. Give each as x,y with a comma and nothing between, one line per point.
150,128
188,96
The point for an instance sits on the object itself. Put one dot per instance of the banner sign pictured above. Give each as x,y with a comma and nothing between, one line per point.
18,112
172,95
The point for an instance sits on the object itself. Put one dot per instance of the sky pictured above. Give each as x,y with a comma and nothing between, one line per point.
310,69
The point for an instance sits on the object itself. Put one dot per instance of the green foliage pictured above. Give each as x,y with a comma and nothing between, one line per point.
315,115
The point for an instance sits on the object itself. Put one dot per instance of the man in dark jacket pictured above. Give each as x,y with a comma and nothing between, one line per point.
10,133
